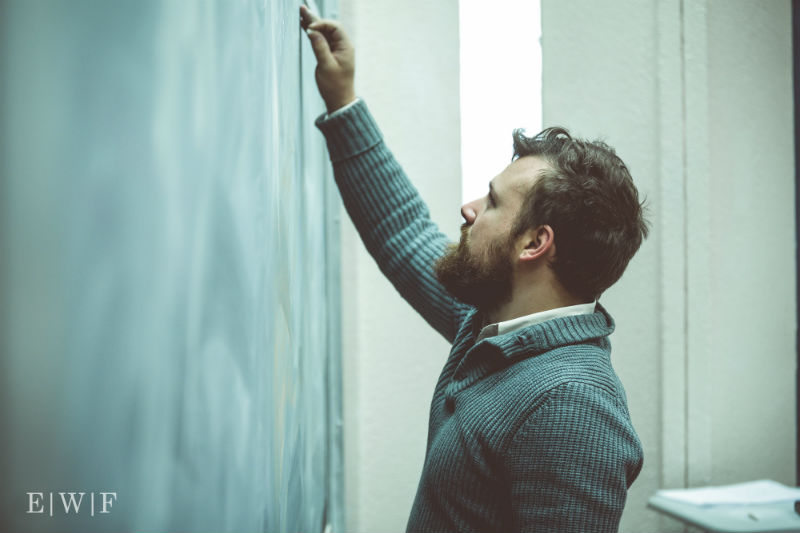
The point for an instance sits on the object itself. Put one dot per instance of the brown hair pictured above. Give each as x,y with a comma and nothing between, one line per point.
588,197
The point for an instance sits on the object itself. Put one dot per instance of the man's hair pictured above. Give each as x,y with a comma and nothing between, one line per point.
588,197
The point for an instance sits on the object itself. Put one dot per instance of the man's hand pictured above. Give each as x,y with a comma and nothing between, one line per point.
335,59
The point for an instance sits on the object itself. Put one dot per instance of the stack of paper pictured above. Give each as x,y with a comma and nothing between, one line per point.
752,493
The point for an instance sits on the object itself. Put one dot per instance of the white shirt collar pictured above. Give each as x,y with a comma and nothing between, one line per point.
508,326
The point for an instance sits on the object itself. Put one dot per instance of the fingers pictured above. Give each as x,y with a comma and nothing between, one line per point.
307,17
329,28
327,37
319,42
334,34
322,49
332,31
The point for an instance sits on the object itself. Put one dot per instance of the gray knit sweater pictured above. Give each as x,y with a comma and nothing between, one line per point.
529,431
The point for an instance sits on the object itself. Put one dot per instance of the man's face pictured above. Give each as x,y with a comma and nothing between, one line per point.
479,270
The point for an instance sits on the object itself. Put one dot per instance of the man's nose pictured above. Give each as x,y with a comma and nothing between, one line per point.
468,212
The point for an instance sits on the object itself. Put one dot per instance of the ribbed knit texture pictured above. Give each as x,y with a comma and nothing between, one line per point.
529,431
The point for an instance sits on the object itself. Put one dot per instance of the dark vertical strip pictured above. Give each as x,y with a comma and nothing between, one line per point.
796,79
686,324
6,448
335,517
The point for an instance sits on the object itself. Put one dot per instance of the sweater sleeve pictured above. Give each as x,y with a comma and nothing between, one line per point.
389,214
570,464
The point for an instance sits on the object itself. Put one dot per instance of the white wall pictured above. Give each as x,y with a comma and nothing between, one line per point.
752,241
696,97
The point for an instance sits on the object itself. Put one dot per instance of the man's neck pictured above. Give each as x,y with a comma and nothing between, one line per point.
533,299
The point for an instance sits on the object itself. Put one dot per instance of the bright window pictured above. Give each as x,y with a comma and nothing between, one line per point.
501,84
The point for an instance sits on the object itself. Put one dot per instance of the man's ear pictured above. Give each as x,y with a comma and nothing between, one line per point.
538,243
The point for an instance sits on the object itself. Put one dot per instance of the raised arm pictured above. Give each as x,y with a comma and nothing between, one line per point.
391,217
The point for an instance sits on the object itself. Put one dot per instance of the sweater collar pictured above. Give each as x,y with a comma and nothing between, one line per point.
479,359
545,336
501,328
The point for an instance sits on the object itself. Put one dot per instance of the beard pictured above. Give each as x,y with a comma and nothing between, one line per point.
484,284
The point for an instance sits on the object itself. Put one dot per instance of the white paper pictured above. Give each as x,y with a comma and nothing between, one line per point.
764,491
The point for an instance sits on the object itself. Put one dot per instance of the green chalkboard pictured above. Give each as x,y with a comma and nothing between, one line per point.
168,270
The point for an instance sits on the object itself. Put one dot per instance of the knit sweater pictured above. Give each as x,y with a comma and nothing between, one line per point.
528,431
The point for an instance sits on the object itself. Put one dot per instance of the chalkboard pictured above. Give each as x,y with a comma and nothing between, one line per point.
168,270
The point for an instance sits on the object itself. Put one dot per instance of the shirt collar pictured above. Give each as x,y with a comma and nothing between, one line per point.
514,324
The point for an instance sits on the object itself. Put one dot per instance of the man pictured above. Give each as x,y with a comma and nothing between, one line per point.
529,427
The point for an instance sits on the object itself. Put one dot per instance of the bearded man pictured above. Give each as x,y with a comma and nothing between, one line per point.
529,426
